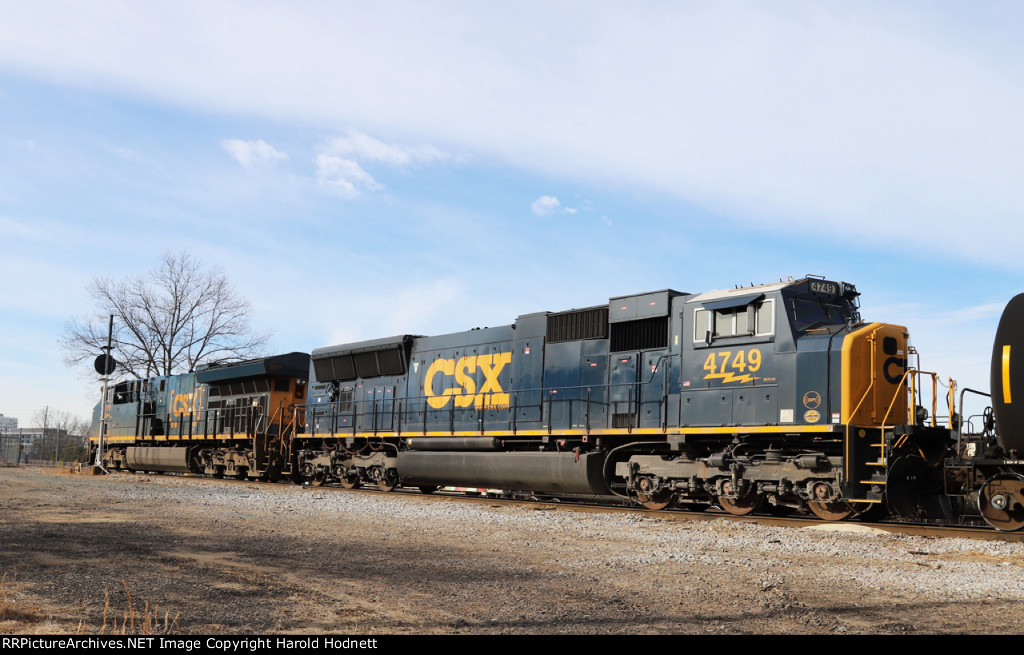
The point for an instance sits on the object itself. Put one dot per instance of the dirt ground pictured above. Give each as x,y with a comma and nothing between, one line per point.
211,557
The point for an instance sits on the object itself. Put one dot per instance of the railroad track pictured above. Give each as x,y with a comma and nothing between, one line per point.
935,531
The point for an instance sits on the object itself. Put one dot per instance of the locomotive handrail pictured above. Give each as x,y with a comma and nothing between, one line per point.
864,397
403,409
232,422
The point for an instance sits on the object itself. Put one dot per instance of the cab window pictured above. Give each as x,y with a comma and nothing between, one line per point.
755,319
808,314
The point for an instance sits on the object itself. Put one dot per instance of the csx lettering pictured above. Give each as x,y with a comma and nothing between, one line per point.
180,403
490,395
894,378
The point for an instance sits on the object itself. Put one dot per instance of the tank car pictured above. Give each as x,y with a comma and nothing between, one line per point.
776,395
984,472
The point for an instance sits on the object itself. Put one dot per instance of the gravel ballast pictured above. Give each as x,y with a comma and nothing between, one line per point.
259,558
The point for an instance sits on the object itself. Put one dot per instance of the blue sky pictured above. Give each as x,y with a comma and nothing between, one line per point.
366,169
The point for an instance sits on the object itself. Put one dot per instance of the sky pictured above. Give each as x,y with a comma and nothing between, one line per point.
366,169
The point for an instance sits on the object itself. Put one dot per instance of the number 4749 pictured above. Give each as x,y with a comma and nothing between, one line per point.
740,361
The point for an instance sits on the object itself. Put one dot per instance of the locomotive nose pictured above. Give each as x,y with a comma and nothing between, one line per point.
1007,376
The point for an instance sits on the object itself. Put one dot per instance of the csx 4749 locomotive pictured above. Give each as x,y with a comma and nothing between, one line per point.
775,396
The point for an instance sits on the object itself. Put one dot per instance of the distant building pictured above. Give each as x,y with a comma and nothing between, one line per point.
28,435
8,424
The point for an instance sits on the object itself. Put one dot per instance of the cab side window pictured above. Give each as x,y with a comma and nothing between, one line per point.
755,319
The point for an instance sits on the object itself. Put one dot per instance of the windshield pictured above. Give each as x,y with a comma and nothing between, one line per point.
815,313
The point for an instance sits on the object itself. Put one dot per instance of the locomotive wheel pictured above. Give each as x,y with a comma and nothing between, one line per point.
655,501
388,481
317,480
350,482
741,505
652,499
837,510
1001,501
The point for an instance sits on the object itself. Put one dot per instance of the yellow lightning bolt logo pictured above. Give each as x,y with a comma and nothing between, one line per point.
730,377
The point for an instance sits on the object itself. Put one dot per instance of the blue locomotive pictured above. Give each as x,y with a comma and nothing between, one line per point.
776,393
775,396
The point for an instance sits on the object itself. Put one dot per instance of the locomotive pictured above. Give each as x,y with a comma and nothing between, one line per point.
775,396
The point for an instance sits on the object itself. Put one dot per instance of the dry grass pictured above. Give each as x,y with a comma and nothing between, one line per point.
11,609
134,624
19,618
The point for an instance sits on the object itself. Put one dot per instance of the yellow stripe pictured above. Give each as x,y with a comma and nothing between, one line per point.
1006,375
738,429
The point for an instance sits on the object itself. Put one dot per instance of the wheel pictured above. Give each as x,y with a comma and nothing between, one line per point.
387,481
836,510
826,509
1001,501
740,505
655,501
350,482
317,480
650,497
428,489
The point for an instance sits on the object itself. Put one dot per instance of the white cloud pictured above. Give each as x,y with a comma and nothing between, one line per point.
363,147
249,153
901,119
339,164
547,205
344,176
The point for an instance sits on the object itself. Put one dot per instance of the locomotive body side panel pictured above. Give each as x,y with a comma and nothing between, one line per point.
460,382
730,359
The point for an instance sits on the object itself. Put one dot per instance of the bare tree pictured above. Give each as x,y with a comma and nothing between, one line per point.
167,321
63,436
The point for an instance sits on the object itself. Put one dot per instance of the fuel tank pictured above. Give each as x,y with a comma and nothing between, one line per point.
173,459
528,471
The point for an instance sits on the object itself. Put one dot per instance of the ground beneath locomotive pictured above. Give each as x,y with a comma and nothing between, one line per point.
259,558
